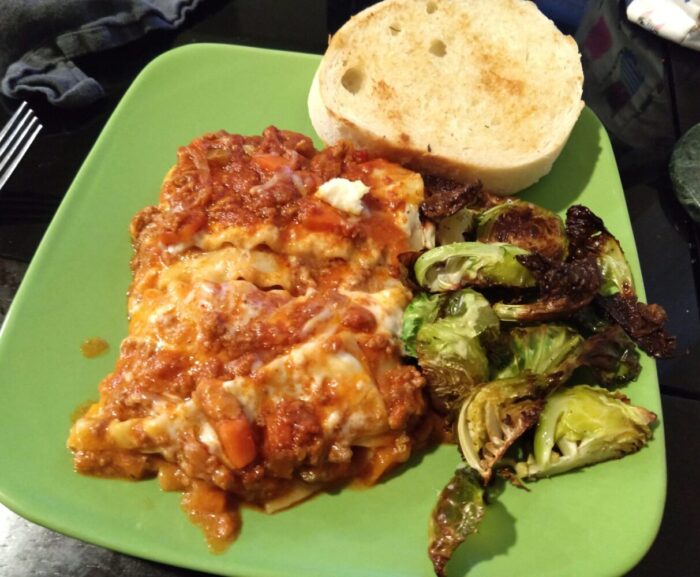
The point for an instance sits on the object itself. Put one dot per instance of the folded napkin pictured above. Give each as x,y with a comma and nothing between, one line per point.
39,39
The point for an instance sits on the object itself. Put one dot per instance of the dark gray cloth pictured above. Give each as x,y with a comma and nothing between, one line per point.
39,39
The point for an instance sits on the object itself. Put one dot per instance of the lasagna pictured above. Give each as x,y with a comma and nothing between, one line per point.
262,362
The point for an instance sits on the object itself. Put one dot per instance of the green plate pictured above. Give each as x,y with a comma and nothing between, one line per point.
596,522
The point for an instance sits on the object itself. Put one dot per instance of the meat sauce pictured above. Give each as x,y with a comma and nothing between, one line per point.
233,392
94,347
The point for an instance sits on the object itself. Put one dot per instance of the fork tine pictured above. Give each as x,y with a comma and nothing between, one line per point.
10,169
6,128
19,140
15,131
15,142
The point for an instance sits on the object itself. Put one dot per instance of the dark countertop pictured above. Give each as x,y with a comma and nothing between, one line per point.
667,240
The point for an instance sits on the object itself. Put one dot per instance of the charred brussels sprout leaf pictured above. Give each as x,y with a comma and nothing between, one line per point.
589,321
583,425
495,415
446,197
611,355
644,323
588,236
565,287
618,298
450,267
457,514
526,225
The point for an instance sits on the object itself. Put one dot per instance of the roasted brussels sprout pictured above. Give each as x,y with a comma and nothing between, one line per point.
495,415
526,225
452,363
424,308
610,355
449,348
473,309
536,349
477,264
565,287
445,197
615,270
588,236
457,514
618,298
583,425
457,227
497,385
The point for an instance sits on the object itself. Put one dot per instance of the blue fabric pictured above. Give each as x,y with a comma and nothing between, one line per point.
567,14
40,38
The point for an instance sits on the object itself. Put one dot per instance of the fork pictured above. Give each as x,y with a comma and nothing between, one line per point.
15,139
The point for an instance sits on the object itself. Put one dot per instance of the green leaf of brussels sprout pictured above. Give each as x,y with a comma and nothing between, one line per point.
453,266
583,425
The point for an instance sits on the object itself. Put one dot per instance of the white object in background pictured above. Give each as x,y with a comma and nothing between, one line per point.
675,20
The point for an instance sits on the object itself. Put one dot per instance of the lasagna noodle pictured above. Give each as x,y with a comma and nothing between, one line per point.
263,357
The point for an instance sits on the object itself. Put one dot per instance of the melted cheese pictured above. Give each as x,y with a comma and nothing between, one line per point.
344,194
307,372
251,297
386,305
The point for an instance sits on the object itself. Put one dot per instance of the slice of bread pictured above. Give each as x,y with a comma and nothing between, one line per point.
468,89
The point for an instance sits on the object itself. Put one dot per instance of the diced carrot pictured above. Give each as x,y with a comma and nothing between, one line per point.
194,221
170,477
203,498
322,217
190,224
271,162
237,441
168,237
